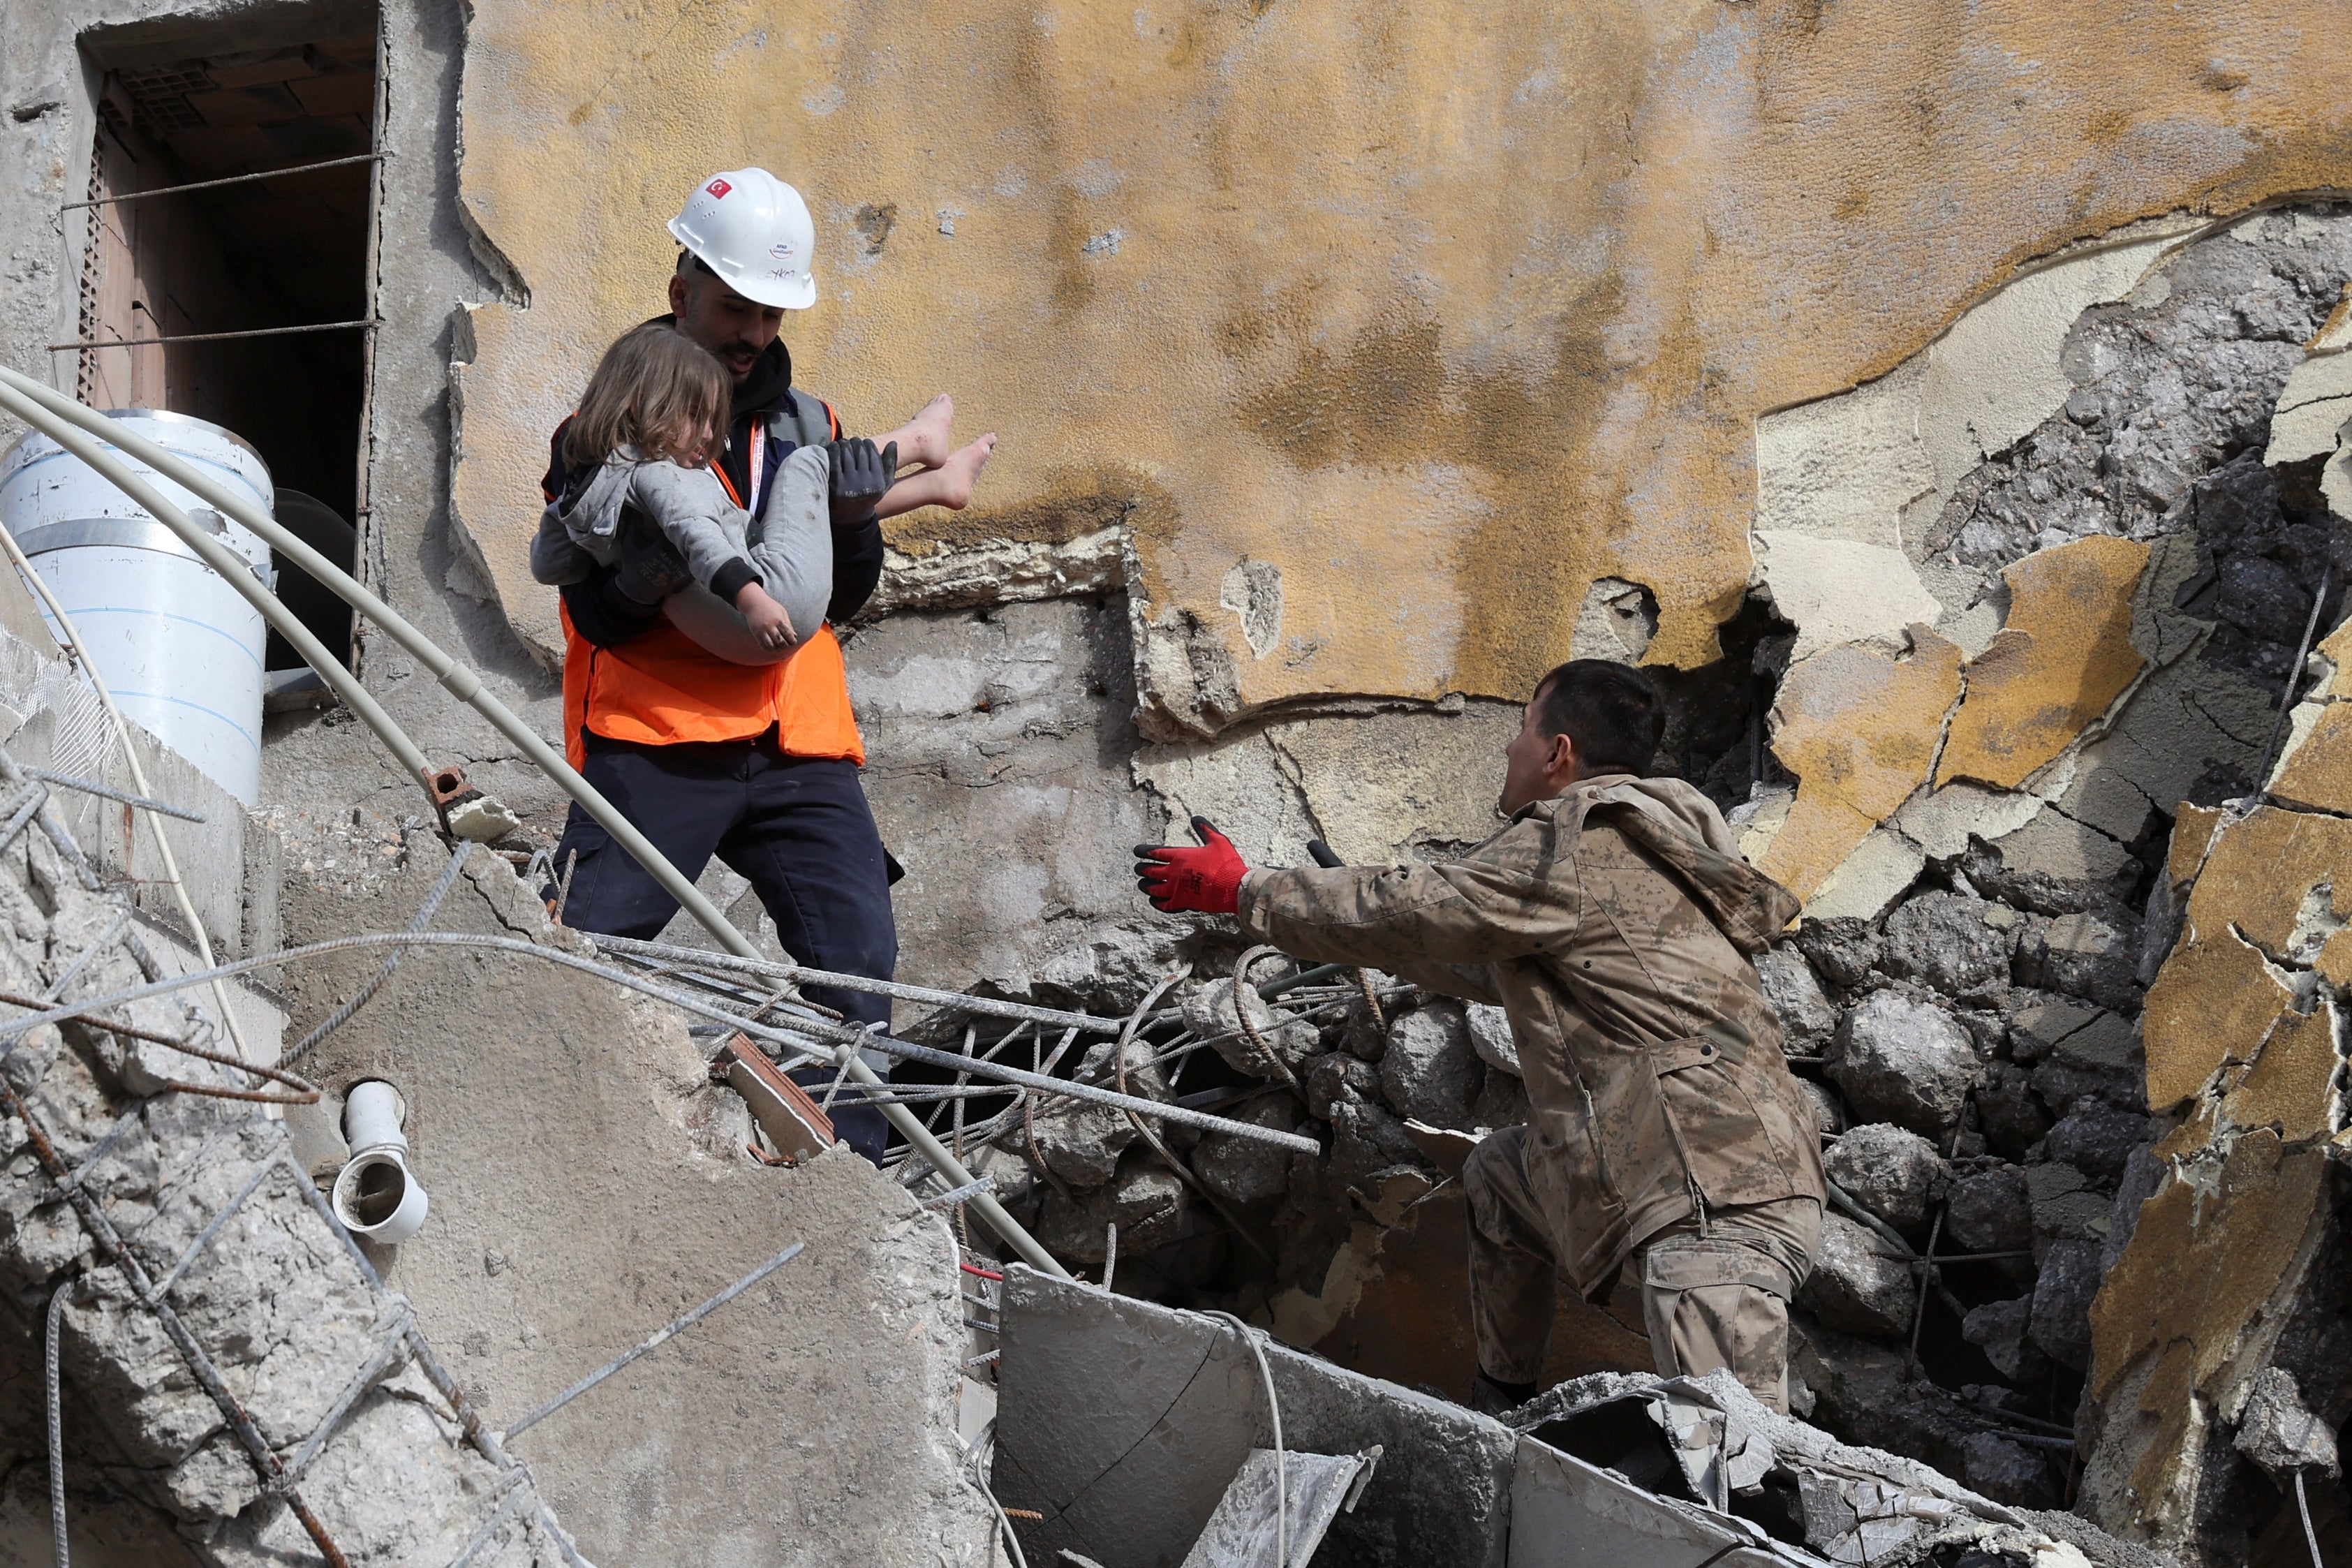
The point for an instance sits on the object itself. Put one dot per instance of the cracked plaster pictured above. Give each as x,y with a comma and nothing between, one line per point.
2061,657
1859,728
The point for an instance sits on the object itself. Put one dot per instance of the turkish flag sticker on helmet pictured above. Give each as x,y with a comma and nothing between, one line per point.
717,188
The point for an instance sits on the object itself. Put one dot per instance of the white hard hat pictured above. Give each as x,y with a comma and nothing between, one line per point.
755,231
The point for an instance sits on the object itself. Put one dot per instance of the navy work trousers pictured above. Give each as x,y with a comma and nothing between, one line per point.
798,829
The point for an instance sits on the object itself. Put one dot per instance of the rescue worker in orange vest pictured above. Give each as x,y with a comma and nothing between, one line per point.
707,742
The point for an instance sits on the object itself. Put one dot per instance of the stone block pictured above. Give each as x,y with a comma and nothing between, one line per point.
1842,951
2009,1111
1989,1212
1491,1036
1366,1137
1944,941
2035,1030
1894,1174
1430,1072
1807,1019
2097,1138
2061,1321
2066,1207
1338,1077
1122,1421
1211,1015
1904,1061
1999,1329
1244,1172
1145,1199
1858,1284
2082,955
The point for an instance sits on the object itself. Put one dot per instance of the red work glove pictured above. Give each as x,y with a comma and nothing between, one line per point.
1177,877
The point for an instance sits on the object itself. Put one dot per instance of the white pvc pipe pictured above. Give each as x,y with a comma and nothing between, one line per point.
43,407
376,1195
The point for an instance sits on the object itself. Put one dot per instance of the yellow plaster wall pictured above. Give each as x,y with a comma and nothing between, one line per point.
1442,312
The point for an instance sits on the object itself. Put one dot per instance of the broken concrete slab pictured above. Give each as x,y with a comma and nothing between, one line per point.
1123,1422
1568,1513
589,1183
1315,1488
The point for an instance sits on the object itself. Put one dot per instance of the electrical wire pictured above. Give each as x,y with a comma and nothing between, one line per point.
1281,1465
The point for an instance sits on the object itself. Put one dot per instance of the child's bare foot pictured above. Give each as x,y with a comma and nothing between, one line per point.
961,472
925,439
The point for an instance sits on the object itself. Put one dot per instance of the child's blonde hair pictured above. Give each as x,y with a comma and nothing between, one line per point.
657,390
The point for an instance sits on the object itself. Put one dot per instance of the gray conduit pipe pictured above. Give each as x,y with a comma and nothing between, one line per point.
51,413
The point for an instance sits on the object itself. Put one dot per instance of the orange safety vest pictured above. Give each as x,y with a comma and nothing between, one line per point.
663,687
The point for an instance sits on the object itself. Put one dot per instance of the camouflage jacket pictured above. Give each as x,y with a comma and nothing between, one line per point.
1614,924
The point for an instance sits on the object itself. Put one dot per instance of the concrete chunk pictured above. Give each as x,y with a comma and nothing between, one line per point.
1123,1422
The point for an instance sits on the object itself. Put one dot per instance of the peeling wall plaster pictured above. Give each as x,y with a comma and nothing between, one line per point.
1443,320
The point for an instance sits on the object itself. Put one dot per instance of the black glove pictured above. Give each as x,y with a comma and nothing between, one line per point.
861,477
650,569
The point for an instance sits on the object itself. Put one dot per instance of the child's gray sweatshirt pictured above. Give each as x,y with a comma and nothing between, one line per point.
788,549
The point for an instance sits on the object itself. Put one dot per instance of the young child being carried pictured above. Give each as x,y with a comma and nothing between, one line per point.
640,493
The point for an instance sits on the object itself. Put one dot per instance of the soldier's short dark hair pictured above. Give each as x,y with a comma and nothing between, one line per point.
1610,710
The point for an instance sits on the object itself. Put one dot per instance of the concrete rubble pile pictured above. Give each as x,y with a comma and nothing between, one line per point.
243,1387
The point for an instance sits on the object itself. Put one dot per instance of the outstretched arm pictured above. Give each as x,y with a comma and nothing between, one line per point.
1397,918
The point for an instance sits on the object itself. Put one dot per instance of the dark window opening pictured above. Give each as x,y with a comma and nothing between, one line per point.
242,257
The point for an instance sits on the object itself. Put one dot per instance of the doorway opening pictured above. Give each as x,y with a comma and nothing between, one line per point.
227,271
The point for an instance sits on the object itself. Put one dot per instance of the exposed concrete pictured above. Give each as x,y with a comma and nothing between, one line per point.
297,1331
588,1185
1122,1421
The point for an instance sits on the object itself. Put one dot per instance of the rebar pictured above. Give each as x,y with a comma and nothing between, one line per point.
107,792
955,1196
56,1423
800,975
229,180
213,337
842,1038
425,913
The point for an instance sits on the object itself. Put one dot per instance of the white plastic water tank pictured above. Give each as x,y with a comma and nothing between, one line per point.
178,648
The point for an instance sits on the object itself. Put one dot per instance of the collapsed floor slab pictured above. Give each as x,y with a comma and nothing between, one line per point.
1121,1424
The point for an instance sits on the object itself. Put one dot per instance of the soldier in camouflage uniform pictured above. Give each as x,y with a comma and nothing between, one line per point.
1614,920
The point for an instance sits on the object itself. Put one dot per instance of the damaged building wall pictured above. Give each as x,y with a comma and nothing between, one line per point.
1552,271
2008,606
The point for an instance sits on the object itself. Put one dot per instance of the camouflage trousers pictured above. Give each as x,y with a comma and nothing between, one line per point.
1716,1299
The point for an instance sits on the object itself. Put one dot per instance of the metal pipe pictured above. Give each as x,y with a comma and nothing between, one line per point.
27,398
